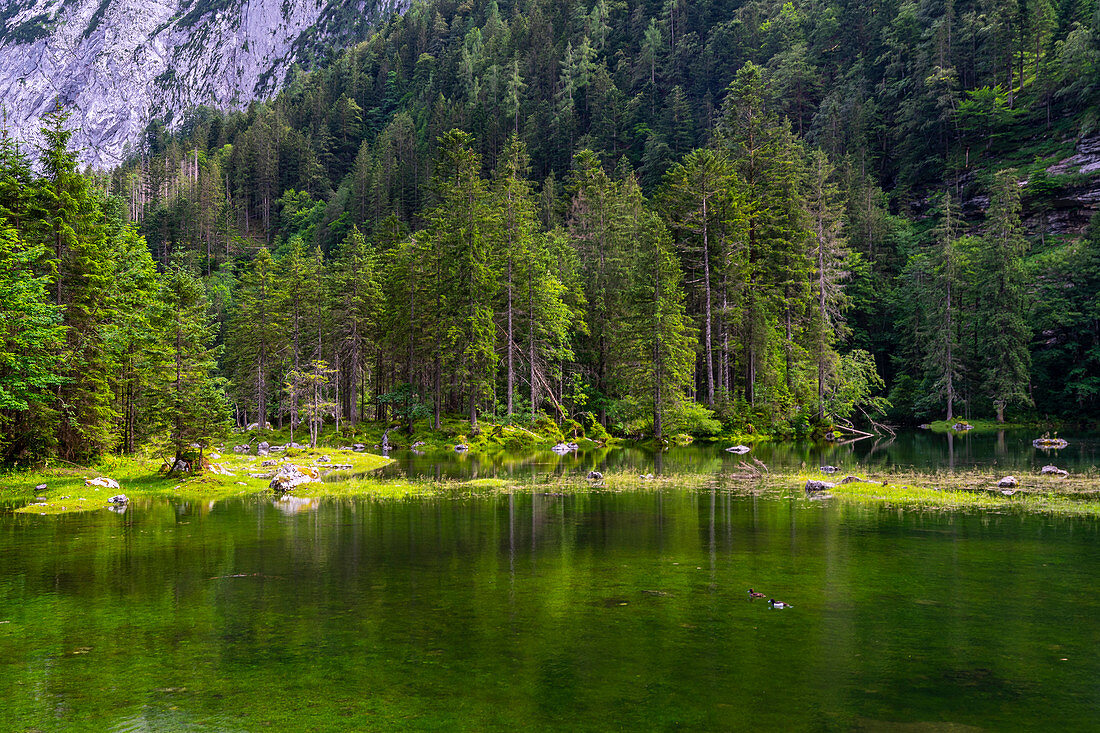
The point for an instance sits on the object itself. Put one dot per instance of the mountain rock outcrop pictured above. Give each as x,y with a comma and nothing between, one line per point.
118,64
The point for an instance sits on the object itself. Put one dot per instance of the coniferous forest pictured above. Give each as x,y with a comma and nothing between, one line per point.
642,218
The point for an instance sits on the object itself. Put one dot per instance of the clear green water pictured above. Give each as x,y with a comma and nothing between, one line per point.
590,612
1008,451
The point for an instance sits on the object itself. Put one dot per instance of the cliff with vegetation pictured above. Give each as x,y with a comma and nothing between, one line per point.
119,64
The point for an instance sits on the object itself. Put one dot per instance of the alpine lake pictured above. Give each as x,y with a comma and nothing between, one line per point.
579,611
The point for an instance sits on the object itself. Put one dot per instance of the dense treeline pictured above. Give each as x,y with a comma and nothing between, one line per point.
99,349
659,218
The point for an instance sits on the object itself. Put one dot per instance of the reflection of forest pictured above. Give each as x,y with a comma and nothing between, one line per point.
591,611
921,450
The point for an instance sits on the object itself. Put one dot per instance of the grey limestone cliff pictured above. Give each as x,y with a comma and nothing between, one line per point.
117,64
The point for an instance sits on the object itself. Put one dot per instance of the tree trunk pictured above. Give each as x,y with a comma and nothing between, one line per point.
511,339
707,330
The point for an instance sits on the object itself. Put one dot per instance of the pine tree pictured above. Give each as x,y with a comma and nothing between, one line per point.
192,406
519,229
133,338
825,209
700,202
356,307
81,269
1006,362
31,334
654,344
940,330
462,229
254,338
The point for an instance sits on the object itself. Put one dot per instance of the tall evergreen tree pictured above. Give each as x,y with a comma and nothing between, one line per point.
81,267
254,337
1003,312
193,406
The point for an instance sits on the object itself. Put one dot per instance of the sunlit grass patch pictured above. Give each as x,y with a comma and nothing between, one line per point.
1076,495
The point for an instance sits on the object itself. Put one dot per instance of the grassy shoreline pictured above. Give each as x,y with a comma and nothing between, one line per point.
66,492
1075,495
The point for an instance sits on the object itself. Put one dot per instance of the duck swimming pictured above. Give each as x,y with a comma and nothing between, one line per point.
778,604
754,594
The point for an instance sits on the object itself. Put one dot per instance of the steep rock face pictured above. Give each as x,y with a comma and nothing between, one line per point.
117,64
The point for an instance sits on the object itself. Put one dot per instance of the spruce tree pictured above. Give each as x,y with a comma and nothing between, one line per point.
192,405
462,229
1003,311
31,335
654,343
700,202
81,269
356,308
255,335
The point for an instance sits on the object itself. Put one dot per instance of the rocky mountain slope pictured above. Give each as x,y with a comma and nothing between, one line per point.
116,64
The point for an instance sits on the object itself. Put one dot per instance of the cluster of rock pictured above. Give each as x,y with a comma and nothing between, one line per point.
100,482
960,427
816,485
357,448
562,448
1049,443
290,476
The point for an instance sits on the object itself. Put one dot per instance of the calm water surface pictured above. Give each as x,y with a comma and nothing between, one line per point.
532,611
1009,450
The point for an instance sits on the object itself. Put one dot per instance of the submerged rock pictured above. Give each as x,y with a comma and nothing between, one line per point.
595,475
1008,482
738,449
102,482
815,485
1054,471
461,448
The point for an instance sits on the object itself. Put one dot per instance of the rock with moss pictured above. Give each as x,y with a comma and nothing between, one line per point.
290,476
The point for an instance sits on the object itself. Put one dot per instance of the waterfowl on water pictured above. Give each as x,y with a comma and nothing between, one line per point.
778,604
754,594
